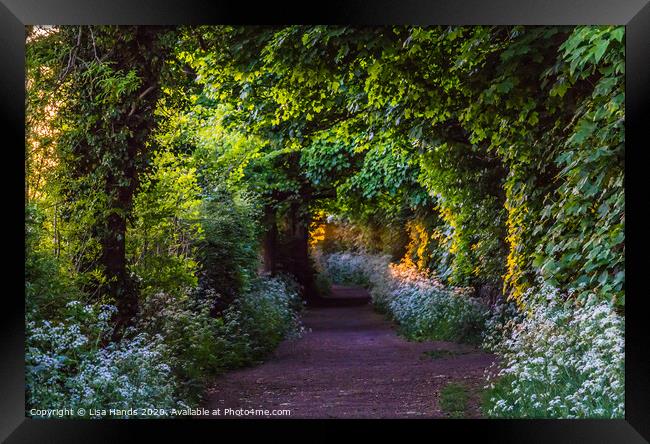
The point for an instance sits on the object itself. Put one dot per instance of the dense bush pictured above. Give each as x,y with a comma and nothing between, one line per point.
196,341
258,320
229,247
349,268
47,287
420,304
561,361
166,222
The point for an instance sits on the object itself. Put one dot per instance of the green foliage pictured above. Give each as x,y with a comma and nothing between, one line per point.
326,162
228,249
47,286
430,242
161,162
478,116
454,399
160,240
93,80
582,246
493,128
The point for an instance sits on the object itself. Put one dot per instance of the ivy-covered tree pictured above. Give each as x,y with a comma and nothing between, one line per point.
108,81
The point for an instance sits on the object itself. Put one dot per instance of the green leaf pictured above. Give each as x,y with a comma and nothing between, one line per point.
603,277
600,49
618,33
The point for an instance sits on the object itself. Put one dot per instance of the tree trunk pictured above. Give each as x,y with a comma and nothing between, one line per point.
120,286
270,241
301,266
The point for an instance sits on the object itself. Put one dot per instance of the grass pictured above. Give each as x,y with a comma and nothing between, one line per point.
437,354
454,399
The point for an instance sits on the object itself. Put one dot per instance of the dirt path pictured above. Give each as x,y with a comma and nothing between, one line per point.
351,364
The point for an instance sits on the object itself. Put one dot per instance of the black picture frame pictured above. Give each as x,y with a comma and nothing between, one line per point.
634,14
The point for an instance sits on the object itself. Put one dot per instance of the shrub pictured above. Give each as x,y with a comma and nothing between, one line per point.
160,234
47,287
201,345
322,279
426,310
347,269
561,361
437,313
72,362
196,341
257,321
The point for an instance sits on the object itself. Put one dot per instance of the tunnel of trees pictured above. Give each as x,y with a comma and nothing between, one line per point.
184,181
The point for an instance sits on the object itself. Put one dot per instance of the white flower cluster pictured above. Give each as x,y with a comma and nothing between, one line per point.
560,361
349,268
264,315
66,364
129,373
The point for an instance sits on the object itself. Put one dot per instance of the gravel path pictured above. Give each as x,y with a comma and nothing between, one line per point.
351,364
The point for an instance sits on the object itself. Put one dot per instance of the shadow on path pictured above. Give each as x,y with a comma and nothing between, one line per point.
342,296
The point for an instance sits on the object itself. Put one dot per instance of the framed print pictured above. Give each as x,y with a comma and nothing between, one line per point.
377,214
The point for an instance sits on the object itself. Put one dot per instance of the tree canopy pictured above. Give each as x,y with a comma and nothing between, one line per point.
501,147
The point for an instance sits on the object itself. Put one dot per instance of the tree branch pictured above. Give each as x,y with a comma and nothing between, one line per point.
140,97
